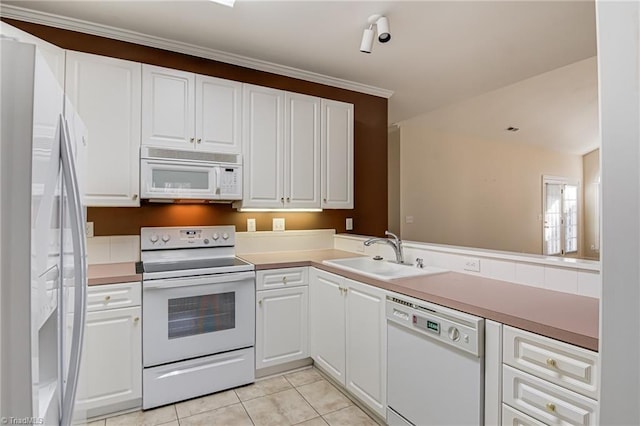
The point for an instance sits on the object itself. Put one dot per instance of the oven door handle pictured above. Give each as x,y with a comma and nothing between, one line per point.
195,281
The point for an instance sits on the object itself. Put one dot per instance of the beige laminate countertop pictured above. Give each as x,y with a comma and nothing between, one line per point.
566,317
112,273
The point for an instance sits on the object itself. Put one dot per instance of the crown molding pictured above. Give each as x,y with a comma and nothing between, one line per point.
36,17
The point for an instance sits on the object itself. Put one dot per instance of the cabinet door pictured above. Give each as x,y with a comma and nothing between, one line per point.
106,95
327,323
337,155
168,103
218,114
302,151
263,147
366,329
111,369
281,326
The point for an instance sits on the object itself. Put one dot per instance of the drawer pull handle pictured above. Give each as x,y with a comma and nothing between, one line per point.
551,362
551,407
107,298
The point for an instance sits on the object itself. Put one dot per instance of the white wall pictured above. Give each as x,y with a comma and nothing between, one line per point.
619,72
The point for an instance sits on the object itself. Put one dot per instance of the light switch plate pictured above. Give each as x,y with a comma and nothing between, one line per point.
251,225
88,227
278,224
349,224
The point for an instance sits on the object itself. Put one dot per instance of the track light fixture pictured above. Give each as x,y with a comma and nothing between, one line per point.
384,34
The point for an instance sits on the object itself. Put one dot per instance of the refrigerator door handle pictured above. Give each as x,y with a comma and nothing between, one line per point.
80,274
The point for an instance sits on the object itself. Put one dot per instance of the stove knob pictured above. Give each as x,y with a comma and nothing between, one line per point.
215,236
166,237
153,238
206,241
225,236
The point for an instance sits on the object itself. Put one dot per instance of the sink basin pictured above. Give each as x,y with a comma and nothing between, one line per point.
381,269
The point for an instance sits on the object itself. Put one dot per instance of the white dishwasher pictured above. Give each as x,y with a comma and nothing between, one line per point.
435,365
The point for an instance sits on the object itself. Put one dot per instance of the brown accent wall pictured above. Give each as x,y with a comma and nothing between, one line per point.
370,146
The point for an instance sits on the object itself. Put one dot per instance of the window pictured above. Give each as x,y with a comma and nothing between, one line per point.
560,231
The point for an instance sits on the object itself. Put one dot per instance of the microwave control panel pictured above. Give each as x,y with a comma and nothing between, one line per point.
230,181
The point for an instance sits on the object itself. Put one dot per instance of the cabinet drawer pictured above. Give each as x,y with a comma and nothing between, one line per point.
511,417
545,401
560,363
111,296
278,278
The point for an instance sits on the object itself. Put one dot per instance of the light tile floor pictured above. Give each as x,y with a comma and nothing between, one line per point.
300,398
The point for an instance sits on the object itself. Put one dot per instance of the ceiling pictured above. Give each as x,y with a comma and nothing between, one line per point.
440,52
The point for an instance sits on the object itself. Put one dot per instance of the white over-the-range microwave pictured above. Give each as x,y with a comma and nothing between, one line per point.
168,174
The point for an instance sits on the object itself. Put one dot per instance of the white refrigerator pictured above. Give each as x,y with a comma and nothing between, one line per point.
42,245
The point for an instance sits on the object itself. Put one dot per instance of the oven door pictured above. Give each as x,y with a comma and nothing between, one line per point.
190,317
168,179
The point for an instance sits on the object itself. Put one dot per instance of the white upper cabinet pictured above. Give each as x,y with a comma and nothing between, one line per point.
183,110
168,105
263,147
218,115
302,151
337,155
281,149
106,95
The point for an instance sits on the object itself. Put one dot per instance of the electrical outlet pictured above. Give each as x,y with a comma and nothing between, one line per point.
471,264
251,225
88,229
349,224
278,224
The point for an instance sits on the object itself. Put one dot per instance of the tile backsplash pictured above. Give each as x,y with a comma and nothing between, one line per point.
113,249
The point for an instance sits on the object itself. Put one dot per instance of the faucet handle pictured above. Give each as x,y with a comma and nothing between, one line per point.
391,234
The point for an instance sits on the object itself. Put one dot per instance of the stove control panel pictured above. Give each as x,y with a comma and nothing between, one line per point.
158,238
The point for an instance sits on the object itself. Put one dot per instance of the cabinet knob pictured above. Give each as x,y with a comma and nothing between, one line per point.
284,280
288,200
199,140
551,407
260,302
192,140
324,200
134,197
136,319
107,298
282,200
551,362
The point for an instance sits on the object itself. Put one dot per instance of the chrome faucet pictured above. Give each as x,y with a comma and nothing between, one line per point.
394,242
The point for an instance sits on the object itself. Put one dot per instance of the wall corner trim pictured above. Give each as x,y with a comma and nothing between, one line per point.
43,18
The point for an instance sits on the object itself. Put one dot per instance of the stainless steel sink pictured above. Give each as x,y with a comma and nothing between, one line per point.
381,269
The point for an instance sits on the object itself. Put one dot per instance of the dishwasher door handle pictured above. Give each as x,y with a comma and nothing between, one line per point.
400,314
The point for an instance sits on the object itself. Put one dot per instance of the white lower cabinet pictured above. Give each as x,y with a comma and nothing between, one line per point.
545,381
282,316
512,417
281,326
111,367
348,335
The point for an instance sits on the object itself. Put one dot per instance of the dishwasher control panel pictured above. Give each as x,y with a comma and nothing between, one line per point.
448,326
